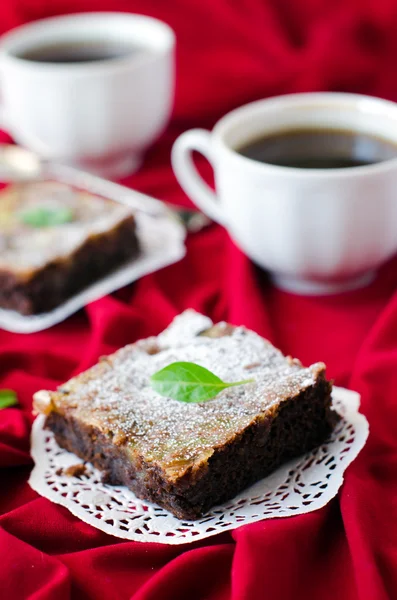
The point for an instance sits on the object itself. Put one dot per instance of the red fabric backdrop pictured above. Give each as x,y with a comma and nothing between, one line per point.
229,52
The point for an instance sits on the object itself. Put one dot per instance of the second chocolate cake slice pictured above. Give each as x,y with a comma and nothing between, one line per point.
190,457
56,240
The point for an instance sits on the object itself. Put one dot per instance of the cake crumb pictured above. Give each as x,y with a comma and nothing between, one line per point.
253,365
74,470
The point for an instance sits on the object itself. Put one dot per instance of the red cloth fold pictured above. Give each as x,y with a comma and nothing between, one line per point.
228,53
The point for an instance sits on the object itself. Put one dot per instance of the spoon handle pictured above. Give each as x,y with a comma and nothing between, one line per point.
18,164
193,220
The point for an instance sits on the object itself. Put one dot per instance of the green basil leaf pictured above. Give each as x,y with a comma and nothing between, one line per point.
8,398
43,216
189,382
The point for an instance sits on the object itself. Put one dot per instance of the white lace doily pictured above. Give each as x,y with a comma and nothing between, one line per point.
302,485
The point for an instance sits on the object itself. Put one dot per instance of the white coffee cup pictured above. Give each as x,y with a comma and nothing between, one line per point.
100,115
315,230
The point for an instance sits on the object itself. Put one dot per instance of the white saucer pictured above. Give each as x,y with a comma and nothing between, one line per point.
309,287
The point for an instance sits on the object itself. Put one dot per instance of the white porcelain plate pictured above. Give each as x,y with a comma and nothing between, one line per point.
161,239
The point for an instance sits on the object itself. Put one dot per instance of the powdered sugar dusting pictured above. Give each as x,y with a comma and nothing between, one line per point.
116,395
23,247
185,326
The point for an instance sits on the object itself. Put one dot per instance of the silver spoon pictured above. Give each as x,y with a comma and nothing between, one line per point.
18,164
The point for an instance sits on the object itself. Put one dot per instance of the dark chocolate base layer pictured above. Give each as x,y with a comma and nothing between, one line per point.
58,281
292,428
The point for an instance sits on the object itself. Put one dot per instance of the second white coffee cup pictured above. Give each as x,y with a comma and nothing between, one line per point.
100,115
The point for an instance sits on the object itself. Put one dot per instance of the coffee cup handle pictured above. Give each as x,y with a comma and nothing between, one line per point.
192,183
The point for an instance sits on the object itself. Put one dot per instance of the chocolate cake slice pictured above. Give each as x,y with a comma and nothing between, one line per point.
55,240
189,457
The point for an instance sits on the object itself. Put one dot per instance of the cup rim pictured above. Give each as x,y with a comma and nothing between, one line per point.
16,35
306,99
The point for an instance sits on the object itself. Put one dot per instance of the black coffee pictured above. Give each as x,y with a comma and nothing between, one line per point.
319,149
78,52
